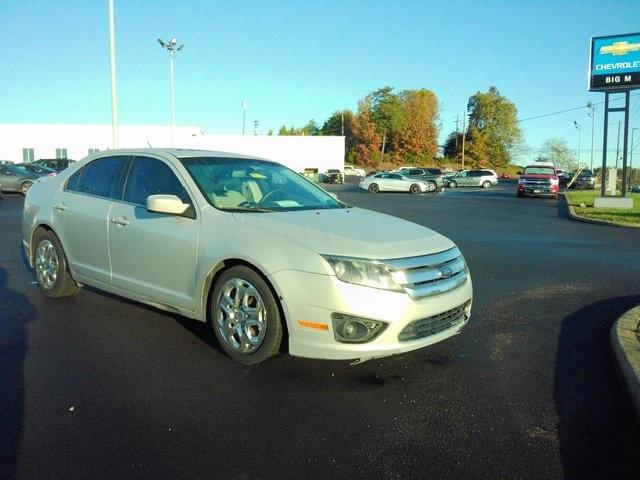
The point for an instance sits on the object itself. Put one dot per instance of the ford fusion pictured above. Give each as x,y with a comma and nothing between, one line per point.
266,258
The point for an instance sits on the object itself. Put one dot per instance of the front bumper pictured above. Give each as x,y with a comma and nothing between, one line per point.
313,298
538,190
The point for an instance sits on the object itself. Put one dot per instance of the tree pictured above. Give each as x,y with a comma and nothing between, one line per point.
452,147
334,126
366,136
557,151
417,136
387,112
493,130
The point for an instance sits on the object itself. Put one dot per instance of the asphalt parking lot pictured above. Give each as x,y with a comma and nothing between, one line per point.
98,387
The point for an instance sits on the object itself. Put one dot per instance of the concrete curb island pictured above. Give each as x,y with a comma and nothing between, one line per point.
579,218
625,340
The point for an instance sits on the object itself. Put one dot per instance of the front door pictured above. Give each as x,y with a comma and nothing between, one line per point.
154,254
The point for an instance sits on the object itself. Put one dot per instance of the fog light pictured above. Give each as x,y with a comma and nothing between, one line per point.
350,329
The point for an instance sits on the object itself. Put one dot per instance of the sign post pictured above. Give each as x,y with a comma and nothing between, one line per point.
615,68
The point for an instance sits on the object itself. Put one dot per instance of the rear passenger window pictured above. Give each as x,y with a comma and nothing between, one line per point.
101,177
149,176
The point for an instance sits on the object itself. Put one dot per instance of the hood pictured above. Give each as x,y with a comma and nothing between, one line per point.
351,232
539,175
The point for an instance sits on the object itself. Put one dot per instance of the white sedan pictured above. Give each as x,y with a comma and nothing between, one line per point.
394,182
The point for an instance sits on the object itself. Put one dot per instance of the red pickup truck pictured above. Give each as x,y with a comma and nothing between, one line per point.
539,180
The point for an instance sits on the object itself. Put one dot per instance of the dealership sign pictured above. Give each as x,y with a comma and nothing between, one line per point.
615,62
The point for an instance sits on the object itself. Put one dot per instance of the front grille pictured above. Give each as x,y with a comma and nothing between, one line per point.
426,327
429,275
537,183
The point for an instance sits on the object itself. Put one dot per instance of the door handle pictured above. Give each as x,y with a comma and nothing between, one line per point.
60,207
122,221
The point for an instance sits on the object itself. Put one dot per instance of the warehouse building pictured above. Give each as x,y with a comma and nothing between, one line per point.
27,142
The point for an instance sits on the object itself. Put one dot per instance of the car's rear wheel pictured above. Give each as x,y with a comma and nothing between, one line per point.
24,188
453,184
374,188
52,270
431,186
414,188
245,316
486,184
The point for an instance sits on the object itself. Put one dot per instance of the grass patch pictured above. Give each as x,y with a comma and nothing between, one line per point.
622,216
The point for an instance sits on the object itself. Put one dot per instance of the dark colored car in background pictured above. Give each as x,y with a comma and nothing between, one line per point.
58,164
433,176
586,179
333,175
36,168
16,178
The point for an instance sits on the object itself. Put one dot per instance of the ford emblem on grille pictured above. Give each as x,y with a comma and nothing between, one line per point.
446,272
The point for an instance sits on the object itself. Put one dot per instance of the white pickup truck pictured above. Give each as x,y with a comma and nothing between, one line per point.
351,170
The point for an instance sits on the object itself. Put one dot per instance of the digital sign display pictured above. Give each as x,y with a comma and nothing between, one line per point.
615,62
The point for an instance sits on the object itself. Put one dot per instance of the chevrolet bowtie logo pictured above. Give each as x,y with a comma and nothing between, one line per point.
620,48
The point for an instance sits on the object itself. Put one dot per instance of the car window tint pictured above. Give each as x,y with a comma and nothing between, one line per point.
101,177
415,171
149,176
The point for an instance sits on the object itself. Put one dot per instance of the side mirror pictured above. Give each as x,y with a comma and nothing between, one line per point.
335,197
166,204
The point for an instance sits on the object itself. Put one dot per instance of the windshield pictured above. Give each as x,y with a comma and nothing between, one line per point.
239,184
18,170
37,168
539,171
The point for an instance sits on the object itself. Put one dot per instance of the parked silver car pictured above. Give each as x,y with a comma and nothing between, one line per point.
395,182
472,178
17,178
252,248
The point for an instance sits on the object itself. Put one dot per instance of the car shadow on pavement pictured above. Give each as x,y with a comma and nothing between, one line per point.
599,436
15,312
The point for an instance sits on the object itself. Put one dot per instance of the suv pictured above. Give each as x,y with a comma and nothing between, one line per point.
473,178
57,164
585,179
333,175
433,176
539,180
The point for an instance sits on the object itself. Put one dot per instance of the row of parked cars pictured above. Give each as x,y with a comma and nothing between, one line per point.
420,180
20,177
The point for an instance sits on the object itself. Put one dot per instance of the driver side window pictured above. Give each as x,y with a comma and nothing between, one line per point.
149,176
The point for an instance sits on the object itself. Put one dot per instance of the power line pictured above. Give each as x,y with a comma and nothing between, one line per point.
569,110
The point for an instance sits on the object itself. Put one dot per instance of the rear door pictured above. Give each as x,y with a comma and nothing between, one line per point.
80,215
154,254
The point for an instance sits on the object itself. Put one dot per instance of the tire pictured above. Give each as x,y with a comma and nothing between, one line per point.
52,270
24,187
486,184
245,317
414,188
453,184
374,188
431,187
520,195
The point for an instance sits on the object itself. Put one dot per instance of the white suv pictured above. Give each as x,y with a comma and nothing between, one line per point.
250,247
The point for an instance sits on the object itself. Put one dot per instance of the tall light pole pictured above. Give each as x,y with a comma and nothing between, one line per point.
173,50
244,106
633,130
114,85
593,129
464,118
579,128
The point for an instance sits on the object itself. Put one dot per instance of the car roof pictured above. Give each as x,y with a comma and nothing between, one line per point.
180,153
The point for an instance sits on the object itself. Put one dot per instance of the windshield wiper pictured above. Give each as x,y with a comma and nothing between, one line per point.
245,209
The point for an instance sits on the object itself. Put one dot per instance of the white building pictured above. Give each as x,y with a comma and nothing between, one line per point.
26,143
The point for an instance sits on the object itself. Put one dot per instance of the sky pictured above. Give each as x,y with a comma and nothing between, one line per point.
293,61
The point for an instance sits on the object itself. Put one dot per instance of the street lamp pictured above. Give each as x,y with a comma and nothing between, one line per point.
633,130
114,85
244,106
592,114
173,50
579,128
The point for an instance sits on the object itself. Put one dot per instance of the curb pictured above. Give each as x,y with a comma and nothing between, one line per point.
626,348
579,218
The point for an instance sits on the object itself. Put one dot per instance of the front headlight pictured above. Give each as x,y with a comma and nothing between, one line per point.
520,181
369,273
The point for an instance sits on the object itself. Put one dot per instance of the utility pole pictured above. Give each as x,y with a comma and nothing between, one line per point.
464,118
255,127
457,132
633,131
579,128
114,85
618,145
593,129
342,123
244,106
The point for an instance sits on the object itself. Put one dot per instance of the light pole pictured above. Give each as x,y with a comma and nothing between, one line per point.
114,85
244,106
579,128
593,129
173,50
633,130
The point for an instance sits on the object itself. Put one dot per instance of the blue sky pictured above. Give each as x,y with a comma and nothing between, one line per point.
294,61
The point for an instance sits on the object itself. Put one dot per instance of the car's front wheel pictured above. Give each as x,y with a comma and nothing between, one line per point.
52,270
374,188
486,184
24,188
245,316
453,184
414,188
